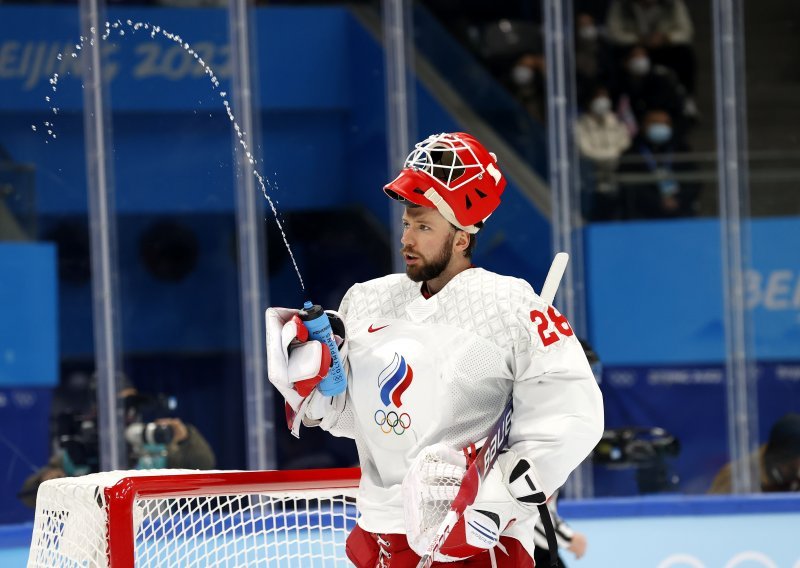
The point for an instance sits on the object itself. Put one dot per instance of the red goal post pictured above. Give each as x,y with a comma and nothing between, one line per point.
192,518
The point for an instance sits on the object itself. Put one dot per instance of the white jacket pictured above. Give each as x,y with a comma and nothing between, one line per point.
601,140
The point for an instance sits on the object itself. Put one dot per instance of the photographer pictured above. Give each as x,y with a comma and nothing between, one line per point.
778,461
156,442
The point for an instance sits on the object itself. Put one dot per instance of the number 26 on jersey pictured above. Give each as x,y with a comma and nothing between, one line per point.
546,322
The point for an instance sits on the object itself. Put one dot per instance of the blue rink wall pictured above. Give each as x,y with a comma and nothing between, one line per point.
664,532
655,307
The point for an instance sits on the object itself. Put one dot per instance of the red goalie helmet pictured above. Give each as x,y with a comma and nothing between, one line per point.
454,174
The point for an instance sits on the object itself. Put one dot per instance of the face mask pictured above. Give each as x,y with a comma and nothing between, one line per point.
587,33
659,133
601,105
522,75
639,65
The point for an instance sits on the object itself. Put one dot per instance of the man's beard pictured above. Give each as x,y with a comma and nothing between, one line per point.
425,271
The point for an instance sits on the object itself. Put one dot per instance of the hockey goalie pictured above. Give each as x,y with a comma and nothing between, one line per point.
431,357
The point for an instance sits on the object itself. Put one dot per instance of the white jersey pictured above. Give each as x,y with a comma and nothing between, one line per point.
441,369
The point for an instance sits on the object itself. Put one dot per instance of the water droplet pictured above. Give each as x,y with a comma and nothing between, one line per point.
58,57
47,99
33,127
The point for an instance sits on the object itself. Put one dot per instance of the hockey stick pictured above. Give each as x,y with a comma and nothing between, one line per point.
495,441
471,482
553,279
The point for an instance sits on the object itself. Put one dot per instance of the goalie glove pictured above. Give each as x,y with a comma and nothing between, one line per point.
295,365
429,488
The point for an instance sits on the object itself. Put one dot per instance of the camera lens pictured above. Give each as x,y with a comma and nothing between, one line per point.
151,433
159,434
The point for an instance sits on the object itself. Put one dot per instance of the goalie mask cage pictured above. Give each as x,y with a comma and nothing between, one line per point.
179,518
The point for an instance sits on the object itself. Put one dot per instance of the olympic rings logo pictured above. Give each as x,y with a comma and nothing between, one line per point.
392,422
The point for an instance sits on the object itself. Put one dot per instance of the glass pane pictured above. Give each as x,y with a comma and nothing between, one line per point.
646,135
45,275
773,284
322,123
176,224
639,275
481,69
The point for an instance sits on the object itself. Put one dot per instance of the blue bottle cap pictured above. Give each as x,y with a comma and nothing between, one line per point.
308,305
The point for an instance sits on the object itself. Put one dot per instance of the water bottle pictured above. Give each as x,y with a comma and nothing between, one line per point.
319,327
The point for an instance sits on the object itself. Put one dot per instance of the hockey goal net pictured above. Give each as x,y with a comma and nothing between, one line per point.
196,519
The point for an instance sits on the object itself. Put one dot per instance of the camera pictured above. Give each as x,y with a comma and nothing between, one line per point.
140,434
635,447
77,438
147,441
646,450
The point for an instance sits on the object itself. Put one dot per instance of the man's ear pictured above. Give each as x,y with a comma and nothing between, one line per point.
461,242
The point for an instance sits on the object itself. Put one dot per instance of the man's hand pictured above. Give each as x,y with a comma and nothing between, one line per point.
297,364
577,545
179,430
53,473
294,362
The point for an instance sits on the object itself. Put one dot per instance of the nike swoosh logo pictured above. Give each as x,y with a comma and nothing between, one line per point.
374,329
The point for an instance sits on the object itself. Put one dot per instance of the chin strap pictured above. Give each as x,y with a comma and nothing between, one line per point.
447,211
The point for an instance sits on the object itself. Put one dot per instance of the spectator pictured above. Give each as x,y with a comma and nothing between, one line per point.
601,140
664,27
591,55
778,461
76,437
528,84
657,194
643,87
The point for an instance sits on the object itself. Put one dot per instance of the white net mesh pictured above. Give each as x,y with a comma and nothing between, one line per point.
261,526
